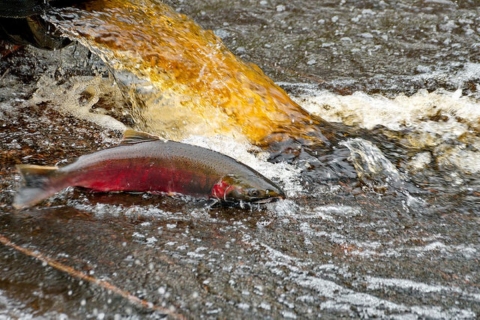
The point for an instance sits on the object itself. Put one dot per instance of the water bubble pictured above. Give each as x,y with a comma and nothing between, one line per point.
289,315
222,33
265,306
244,306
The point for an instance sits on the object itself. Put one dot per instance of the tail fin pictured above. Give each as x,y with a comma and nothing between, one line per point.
37,185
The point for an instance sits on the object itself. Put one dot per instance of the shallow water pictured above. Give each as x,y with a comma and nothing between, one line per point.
380,222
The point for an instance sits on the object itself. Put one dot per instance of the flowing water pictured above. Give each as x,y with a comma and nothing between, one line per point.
376,145
181,79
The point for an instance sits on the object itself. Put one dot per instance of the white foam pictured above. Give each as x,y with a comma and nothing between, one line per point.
342,299
367,111
329,212
14,309
468,160
77,96
103,210
447,123
469,72
284,208
381,283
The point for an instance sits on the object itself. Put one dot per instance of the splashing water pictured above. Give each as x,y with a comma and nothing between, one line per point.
371,165
181,79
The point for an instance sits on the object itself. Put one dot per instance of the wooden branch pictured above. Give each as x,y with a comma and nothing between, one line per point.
82,276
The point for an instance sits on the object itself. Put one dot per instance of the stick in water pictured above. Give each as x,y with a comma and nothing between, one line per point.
82,276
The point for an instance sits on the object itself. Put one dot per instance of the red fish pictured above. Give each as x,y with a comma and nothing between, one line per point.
144,163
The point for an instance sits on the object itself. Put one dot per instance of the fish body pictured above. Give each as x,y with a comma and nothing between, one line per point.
146,164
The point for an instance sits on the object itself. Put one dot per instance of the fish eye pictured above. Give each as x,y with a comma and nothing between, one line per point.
253,193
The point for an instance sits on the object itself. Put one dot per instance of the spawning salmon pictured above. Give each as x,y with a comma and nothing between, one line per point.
144,163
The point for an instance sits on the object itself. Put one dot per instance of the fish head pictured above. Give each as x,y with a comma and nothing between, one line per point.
252,189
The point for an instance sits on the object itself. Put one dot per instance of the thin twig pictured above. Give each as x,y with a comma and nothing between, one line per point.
4,74
82,276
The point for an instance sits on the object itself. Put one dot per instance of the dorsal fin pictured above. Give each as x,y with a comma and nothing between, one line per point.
131,136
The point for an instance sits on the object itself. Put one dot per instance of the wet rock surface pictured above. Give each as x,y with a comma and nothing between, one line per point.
338,251
373,46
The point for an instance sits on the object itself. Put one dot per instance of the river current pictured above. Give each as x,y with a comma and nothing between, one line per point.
381,216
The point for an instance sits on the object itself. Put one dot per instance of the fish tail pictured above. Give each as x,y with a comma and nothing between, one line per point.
37,185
